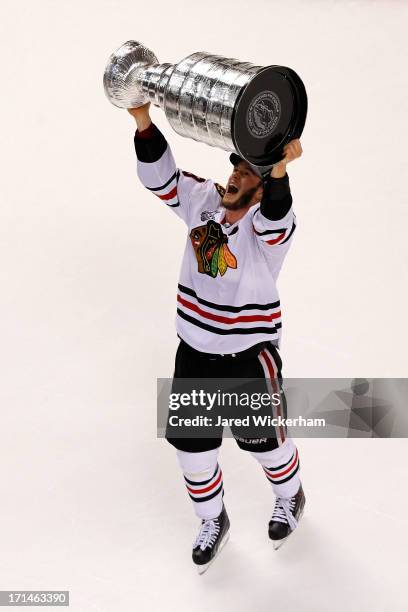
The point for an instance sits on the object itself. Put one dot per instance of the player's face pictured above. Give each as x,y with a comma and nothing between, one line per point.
241,188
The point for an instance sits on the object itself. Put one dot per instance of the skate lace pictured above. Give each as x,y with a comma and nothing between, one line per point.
283,511
208,534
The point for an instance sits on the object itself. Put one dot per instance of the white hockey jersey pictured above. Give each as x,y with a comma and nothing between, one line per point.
227,300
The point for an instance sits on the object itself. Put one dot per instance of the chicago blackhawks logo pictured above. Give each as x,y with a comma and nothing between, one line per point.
212,252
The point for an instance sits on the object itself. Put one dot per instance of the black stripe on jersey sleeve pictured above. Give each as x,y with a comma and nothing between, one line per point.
224,332
290,234
274,231
175,175
276,199
226,308
151,146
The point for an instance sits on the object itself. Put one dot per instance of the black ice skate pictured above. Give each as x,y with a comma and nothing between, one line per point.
285,517
213,535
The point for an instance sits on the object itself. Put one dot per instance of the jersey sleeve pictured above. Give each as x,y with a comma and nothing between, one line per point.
274,222
158,172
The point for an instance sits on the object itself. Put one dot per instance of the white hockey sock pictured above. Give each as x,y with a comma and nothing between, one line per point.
281,467
203,479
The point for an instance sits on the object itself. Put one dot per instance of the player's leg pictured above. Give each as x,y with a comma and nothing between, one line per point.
197,457
198,461
277,455
281,468
203,480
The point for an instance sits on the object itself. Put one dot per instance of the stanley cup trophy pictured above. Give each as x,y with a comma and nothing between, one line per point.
236,106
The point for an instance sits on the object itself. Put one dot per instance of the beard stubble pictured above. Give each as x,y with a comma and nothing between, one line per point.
243,201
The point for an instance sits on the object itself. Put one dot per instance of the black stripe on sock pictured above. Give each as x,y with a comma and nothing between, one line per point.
211,496
277,482
274,469
202,482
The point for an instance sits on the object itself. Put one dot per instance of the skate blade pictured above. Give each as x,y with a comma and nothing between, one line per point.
203,568
278,543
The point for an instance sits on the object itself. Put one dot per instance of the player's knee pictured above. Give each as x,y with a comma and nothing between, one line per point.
276,455
198,466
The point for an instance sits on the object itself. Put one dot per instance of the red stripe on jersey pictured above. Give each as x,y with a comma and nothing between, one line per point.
170,195
269,364
275,240
280,474
241,319
206,489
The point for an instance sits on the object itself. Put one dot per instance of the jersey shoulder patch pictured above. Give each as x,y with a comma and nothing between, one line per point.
220,189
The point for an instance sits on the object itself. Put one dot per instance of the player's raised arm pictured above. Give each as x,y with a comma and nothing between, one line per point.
274,221
157,168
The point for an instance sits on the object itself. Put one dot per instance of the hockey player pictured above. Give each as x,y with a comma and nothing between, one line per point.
228,313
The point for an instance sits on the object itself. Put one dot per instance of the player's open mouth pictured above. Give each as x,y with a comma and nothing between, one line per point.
232,189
